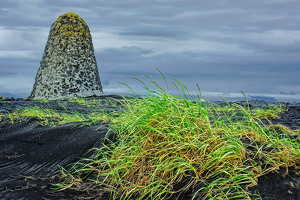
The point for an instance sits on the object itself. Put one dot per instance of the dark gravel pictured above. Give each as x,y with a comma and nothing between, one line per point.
30,154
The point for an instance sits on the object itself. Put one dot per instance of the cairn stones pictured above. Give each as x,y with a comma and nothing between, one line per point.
68,68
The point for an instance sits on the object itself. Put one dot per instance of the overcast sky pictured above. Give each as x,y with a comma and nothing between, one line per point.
224,46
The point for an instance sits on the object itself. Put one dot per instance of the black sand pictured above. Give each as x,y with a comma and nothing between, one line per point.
30,155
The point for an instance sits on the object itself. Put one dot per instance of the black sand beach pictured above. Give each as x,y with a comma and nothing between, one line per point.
31,154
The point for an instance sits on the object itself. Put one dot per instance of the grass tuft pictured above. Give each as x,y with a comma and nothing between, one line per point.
168,145
271,112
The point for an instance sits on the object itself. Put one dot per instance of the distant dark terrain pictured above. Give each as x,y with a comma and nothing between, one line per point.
31,154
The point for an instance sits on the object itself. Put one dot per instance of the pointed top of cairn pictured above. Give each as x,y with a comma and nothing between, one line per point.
68,68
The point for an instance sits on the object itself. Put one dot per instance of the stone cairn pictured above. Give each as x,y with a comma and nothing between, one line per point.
68,68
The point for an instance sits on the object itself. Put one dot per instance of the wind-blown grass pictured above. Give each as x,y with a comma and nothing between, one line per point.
168,144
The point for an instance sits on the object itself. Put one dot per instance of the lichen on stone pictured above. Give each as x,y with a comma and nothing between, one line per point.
71,25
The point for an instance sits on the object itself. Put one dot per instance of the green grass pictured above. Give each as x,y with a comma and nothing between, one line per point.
270,113
93,102
45,100
80,101
166,140
50,117
167,144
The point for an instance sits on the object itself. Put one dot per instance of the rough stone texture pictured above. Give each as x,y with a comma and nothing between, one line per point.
68,67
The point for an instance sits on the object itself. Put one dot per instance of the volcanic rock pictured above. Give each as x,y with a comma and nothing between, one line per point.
68,67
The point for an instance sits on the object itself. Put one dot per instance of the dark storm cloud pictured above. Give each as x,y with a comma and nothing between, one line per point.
222,45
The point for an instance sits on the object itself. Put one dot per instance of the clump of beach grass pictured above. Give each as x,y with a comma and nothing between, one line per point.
268,113
168,145
271,113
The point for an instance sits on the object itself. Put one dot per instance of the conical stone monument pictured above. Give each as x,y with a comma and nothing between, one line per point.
68,67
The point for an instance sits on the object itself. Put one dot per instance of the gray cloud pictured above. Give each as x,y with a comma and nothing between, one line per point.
7,74
224,46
